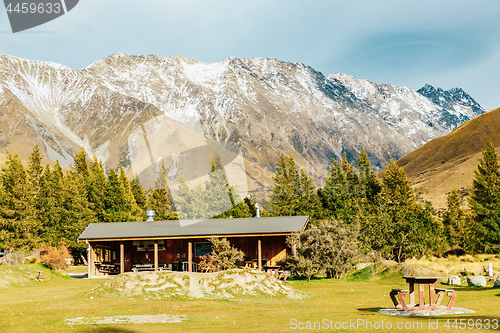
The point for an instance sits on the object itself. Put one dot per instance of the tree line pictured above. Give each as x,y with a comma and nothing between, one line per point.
44,205
355,212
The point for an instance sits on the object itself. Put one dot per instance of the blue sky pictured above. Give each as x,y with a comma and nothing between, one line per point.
407,43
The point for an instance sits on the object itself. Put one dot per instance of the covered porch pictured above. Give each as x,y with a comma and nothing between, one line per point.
115,248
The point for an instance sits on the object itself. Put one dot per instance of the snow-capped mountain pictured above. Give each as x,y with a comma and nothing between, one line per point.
139,110
454,100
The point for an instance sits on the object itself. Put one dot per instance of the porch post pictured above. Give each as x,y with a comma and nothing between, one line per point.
156,255
122,258
90,257
190,257
259,247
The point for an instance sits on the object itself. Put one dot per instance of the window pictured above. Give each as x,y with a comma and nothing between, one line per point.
201,249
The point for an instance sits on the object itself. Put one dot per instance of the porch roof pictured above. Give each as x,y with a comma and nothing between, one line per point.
282,225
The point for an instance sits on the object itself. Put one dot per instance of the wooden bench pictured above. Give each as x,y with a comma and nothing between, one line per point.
450,292
401,294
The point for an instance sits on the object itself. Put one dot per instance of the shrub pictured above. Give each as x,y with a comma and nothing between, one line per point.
55,258
329,247
223,256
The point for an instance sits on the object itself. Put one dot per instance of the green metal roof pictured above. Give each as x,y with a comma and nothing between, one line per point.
187,228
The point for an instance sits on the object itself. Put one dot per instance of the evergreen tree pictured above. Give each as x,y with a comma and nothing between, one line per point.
485,201
285,189
340,197
293,192
96,184
219,196
115,206
81,165
76,214
454,222
159,198
139,194
134,212
252,209
368,179
51,204
35,170
409,228
185,201
19,228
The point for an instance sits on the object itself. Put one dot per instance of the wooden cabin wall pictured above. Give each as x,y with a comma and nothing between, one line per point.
177,250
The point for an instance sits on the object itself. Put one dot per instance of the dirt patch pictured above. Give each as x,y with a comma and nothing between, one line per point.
225,284
133,319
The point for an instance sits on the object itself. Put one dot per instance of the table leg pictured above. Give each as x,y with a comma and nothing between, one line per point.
421,296
412,295
432,305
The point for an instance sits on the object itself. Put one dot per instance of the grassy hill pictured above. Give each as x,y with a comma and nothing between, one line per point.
450,161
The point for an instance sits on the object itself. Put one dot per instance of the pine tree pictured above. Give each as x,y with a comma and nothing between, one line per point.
139,194
51,203
252,209
485,200
454,222
19,228
185,201
96,184
35,170
134,212
81,165
285,189
76,214
368,178
159,198
219,196
115,207
340,197
294,193
409,228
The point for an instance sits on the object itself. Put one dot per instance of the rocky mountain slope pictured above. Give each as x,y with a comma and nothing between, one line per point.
450,161
142,111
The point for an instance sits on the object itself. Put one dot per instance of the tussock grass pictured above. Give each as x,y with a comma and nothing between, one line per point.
455,265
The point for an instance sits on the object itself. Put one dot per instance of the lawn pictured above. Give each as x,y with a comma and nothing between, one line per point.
36,306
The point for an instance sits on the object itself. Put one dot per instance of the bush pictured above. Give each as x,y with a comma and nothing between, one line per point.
56,258
224,256
330,248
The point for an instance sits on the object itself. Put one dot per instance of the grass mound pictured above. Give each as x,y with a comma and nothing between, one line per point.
17,275
223,285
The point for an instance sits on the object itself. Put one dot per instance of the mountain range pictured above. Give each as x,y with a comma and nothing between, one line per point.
449,161
145,111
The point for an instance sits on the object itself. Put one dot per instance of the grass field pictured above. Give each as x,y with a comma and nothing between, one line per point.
43,306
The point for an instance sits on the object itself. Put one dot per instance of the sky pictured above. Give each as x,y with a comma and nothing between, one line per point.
407,43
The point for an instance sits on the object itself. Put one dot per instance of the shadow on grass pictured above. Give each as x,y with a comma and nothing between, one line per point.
107,329
467,288
370,309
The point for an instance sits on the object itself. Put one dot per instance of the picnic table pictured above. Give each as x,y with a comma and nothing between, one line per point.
422,281
272,269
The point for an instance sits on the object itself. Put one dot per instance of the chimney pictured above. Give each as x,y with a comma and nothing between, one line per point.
257,213
150,214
